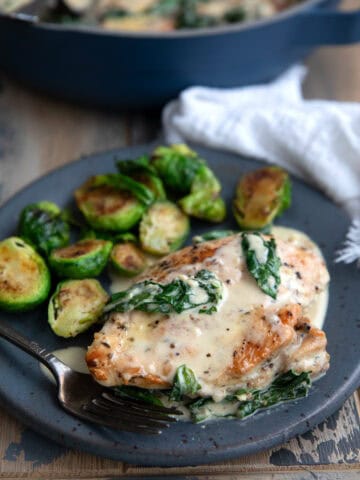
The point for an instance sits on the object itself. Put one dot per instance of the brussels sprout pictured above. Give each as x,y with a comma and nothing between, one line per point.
127,259
141,171
83,259
177,166
204,201
163,228
203,206
42,225
24,276
261,196
75,306
106,206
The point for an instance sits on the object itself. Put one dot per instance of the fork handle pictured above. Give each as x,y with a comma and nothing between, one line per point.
34,349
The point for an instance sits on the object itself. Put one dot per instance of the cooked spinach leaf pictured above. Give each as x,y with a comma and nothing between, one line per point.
243,403
146,396
185,383
176,296
287,386
262,262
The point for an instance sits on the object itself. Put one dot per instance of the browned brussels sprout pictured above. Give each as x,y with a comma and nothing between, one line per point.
83,259
106,206
24,276
75,306
127,259
163,228
261,196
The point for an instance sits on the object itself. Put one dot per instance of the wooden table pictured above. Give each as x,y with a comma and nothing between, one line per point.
38,134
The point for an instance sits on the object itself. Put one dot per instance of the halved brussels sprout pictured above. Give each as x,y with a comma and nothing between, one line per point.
108,207
163,228
204,200
42,225
127,259
75,306
83,259
24,276
177,166
261,196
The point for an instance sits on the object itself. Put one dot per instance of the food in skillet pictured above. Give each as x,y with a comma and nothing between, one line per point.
158,15
229,315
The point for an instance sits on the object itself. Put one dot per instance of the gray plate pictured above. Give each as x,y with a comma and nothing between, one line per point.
27,394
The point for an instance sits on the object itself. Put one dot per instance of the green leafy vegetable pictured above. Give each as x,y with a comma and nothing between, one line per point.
213,235
176,296
241,404
147,396
286,387
185,383
262,262
42,225
177,166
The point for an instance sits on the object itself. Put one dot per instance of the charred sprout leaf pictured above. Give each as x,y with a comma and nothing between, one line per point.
262,262
176,296
163,228
146,396
107,206
288,386
75,306
213,235
42,225
127,259
84,259
261,196
185,384
177,166
24,276
241,404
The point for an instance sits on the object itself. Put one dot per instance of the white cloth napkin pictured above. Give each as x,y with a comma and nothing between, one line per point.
316,140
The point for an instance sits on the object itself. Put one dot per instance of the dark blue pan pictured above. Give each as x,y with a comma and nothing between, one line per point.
139,70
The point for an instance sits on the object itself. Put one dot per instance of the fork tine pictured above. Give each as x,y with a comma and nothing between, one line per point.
120,425
125,418
128,408
117,399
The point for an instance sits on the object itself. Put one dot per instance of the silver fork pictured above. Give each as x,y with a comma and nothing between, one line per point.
80,395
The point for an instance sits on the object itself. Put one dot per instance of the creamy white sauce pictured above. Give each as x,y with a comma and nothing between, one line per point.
73,357
159,344
256,243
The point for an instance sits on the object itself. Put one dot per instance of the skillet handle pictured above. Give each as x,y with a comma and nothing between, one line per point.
327,27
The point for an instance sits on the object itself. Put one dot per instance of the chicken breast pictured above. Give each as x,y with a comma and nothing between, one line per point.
249,340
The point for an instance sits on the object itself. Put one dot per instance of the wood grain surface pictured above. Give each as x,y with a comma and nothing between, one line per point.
37,134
